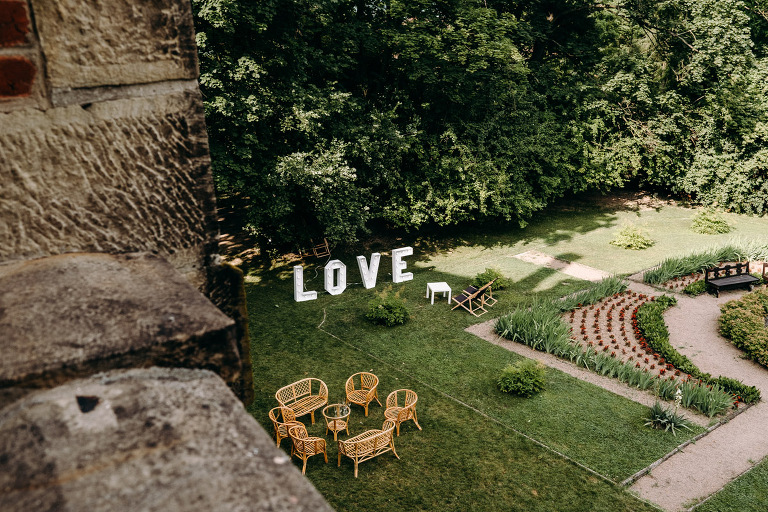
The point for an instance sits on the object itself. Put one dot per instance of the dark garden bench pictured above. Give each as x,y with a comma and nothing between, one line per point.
730,276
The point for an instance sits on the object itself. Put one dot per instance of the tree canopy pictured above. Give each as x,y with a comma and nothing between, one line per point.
326,116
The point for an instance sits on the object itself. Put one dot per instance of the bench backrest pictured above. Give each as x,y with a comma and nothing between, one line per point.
727,270
299,389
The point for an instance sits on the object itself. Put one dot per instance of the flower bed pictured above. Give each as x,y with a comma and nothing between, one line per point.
606,337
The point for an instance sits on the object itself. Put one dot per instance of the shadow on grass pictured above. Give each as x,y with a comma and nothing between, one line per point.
469,455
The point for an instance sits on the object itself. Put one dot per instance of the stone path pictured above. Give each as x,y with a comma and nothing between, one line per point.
566,267
703,468
693,474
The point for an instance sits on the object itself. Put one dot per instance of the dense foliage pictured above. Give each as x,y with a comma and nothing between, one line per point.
388,309
326,116
524,378
743,322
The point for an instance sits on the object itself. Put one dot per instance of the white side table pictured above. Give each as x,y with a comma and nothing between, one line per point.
441,287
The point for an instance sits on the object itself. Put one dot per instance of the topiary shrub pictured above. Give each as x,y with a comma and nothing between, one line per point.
632,237
490,274
524,378
388,309
710,222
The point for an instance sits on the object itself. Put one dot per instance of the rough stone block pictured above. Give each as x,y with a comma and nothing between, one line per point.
116,176
116,42
73,315
14,23
166,440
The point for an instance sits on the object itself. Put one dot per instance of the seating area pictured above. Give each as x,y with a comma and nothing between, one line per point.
475,299
730,276
309,394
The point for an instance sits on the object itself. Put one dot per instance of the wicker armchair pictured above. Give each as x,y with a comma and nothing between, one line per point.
305,446
303,396
401,406
282,419
361,389
369,444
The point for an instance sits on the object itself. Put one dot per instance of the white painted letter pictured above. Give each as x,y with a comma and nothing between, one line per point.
398,265
369,273
299,295
330,270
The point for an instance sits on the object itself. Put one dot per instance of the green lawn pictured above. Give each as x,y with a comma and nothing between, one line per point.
479,449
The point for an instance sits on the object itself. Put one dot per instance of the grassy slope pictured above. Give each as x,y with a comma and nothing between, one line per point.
462,459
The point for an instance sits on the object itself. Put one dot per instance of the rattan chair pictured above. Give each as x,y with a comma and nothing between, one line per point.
305,446
282,419
401,406
361,389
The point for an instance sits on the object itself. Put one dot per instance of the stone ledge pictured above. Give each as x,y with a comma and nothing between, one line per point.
153,440
73,315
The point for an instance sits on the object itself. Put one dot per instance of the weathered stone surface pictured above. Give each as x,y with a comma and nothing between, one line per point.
165,440
113,42
76,314
226,289
116,176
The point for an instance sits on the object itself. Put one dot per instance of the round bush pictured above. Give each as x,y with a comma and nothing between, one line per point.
710,222
524,378
632,237
489,275
388,310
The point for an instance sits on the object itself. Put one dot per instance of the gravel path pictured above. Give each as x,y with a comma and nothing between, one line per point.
703,468
700,469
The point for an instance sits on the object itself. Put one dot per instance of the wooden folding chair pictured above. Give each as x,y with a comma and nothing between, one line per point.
473,299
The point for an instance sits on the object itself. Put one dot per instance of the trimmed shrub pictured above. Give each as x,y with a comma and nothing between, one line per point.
490,274
650,321
632,237
710,222
743,323
696,288
389,310
524,378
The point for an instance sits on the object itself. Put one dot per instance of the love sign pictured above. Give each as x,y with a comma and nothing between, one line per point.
335,274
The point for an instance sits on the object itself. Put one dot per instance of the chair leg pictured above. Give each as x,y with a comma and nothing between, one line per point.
304,469
338,464
415,419
355,468
312,414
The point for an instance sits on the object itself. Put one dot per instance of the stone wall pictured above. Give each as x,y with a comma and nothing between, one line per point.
108,270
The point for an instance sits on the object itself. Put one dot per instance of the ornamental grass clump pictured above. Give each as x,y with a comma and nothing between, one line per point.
524,378
632,237
539,326
595,293
666,418
710,222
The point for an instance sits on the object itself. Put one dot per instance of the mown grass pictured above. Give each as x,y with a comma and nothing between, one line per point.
470,455
473,453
